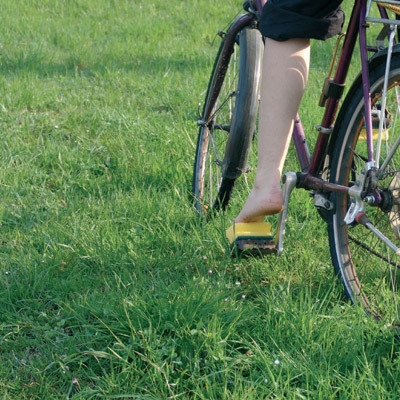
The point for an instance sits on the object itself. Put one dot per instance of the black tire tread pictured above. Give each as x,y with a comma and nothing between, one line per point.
243,120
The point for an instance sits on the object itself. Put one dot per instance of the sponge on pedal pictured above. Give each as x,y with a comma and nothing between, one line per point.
249,230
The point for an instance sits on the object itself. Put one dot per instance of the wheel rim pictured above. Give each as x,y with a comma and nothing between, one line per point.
369,268
215,137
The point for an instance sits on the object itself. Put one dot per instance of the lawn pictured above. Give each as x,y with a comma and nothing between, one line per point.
111,286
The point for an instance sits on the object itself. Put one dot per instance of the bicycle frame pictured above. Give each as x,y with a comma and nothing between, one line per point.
354,184
356,28
311,165
309,179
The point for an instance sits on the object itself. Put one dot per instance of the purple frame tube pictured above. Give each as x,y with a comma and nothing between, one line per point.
259,5
365,79
340,78
311,165
299,139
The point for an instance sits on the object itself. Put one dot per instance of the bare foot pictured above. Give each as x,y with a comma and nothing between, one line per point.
261,203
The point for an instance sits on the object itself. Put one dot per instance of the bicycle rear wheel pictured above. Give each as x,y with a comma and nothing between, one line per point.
368,268
228,122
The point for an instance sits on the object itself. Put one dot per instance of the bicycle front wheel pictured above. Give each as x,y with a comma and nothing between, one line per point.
368,268
228,122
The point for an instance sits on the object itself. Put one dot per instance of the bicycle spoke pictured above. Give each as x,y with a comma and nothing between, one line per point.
366,263
373,252
219,108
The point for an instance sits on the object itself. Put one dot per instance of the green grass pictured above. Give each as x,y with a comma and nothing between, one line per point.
110,285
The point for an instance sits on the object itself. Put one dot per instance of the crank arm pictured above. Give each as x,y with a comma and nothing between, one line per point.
289,182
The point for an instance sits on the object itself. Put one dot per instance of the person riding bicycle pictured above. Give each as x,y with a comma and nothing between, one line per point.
288,26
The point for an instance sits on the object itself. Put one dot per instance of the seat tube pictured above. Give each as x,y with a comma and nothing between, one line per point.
339,78
365,80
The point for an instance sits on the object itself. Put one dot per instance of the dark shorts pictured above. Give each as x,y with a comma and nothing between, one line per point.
306,19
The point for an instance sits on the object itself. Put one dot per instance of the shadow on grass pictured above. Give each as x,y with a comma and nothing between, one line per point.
150,64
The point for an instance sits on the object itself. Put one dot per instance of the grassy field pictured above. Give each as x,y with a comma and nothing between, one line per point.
110,285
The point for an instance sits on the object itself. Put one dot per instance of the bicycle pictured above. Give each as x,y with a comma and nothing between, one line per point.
352,171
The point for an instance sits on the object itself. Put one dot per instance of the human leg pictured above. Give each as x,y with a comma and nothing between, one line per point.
285,72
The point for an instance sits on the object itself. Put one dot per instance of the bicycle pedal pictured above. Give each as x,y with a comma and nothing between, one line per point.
253,238
254,247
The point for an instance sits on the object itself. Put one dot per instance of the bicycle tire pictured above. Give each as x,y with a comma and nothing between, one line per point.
365,265
225,136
